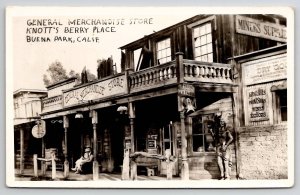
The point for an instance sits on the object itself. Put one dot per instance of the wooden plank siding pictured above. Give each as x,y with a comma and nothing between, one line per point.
226,42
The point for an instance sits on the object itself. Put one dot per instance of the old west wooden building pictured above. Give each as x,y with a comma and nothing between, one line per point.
173,82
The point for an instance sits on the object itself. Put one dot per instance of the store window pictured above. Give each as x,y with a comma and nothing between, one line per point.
203,47
163,51
202,138
282,104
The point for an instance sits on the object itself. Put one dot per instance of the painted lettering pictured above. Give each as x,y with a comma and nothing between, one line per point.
249,26
92,89
116,82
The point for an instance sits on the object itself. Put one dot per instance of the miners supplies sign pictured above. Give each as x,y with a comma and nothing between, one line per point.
265,70
257,104
39,130
94,91
257,28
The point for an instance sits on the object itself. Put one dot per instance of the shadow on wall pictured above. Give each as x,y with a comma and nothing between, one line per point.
211,166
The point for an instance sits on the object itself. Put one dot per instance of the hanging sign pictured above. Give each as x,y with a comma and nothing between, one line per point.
38,131
186,90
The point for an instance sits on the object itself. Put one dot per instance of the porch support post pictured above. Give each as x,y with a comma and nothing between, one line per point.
66,162
185,164
95,162
180,80
21,151
43,163
133,165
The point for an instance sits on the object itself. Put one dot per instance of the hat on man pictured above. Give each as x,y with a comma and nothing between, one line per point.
87,150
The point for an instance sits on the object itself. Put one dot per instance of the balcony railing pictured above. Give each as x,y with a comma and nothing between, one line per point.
207,72
171,73
153,77
193,71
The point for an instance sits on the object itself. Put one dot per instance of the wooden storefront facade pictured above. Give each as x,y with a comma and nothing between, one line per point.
173,82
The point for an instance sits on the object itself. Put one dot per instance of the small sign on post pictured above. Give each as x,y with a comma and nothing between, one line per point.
186,90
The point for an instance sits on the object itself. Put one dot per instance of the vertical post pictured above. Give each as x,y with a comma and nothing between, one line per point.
169,164
131,120
133,170
53,166
179,67
21,151
126,165
35,166
66,162
185,165
127,84
95,162
43,163
169,170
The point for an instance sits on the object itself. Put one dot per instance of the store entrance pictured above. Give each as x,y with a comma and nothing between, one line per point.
117,134
112,135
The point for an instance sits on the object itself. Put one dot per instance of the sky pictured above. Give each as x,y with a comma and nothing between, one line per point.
31,58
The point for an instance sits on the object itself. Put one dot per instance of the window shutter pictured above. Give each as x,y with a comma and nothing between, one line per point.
146,56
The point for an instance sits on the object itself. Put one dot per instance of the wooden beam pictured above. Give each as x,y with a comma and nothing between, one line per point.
216,88
156,93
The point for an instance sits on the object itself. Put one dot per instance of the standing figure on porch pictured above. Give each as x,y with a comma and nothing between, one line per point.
86,158
224,138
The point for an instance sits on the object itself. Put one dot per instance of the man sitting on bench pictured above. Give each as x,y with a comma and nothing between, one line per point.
86,158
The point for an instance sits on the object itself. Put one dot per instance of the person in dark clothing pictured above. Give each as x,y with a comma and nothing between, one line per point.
224,139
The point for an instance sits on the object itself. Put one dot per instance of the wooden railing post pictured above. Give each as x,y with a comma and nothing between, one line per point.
35,165
53,166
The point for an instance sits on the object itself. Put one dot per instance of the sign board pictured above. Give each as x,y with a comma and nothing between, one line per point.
94,91
257,103
265,70
257,28
38,131
52,103
186,90
151,144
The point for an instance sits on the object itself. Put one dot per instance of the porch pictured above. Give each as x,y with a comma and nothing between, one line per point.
28,175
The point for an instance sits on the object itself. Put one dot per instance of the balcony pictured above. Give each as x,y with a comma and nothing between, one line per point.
165,75
189,70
